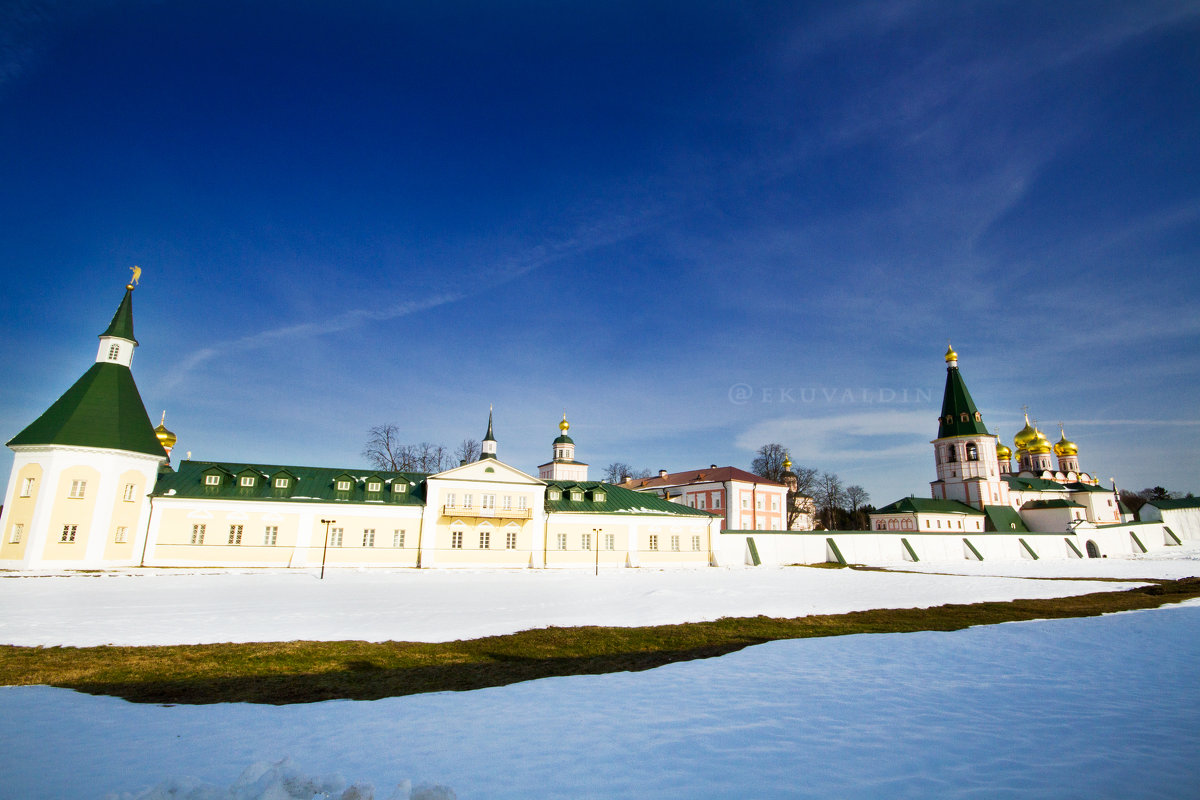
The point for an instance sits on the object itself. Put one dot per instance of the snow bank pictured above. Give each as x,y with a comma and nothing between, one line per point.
1096,707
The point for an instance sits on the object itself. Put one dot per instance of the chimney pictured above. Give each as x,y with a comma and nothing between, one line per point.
713,466
626,479
662,473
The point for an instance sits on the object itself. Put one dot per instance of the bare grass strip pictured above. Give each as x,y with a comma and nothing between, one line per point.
305,672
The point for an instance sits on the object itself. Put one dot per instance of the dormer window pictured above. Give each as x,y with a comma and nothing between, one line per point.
598,497
212,480
114,352
374,486
399,488
246,480
576,495
282,483
963,416
343,486
554,494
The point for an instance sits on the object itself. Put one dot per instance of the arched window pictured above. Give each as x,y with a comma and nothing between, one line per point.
951,454
972,452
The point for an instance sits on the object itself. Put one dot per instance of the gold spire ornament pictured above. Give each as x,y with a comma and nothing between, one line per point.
137,275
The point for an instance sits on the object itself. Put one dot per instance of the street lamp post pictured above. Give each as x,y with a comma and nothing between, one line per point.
325,549
596,532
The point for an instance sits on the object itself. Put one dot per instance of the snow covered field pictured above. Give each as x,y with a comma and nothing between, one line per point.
1096,707
177,607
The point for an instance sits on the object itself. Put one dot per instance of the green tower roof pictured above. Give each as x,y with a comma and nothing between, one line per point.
955,403
122,321
102,409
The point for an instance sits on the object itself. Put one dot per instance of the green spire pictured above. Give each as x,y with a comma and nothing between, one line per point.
488,437
955,402
487,447
122,321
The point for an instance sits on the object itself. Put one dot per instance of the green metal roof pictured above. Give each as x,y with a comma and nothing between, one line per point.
1170,505
1003,519
616,501
1033,484
957,401
122,321
927,505
309,484
1035,504
102,409
564,439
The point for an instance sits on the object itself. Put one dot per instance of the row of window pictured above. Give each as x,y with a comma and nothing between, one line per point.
485,540
271,535
78,490
610,542
285,482
69,532
576,495
907,524
486,501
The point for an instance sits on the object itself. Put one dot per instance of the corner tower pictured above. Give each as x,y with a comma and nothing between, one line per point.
968,467
563,467
83,470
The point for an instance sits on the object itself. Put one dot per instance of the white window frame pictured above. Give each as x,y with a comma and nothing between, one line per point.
456,540
17,530
127,496
270,535
212,480
653,541
121,536
696,544
598,497
78,490
246,480
368,537
343,486
27,487
374,486
281,483
451,500
485,540
335,537
398,537
522,503
674,543
510,540
562,541
114,352
508,502
610,541
585,542
467,500
487,501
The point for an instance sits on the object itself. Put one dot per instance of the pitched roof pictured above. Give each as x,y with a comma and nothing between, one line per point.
122,321
1021,483
956,401
102,409
1004,520
713,474
617,500
312,484
1170,505
927,505
1059,503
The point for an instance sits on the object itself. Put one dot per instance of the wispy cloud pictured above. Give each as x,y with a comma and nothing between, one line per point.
586,238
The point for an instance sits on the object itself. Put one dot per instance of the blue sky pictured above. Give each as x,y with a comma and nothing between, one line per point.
696,227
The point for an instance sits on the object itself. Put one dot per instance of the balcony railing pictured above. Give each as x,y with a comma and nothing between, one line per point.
492,513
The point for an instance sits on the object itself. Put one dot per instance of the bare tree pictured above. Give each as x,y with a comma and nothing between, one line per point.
467,452
768,462
383,449
857,497
429,457
830,496
618,470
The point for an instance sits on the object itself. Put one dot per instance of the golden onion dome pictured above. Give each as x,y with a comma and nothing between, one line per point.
564,426
951,356
787,461
1040,444
165,437
1002,451
1025,435
1065,447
